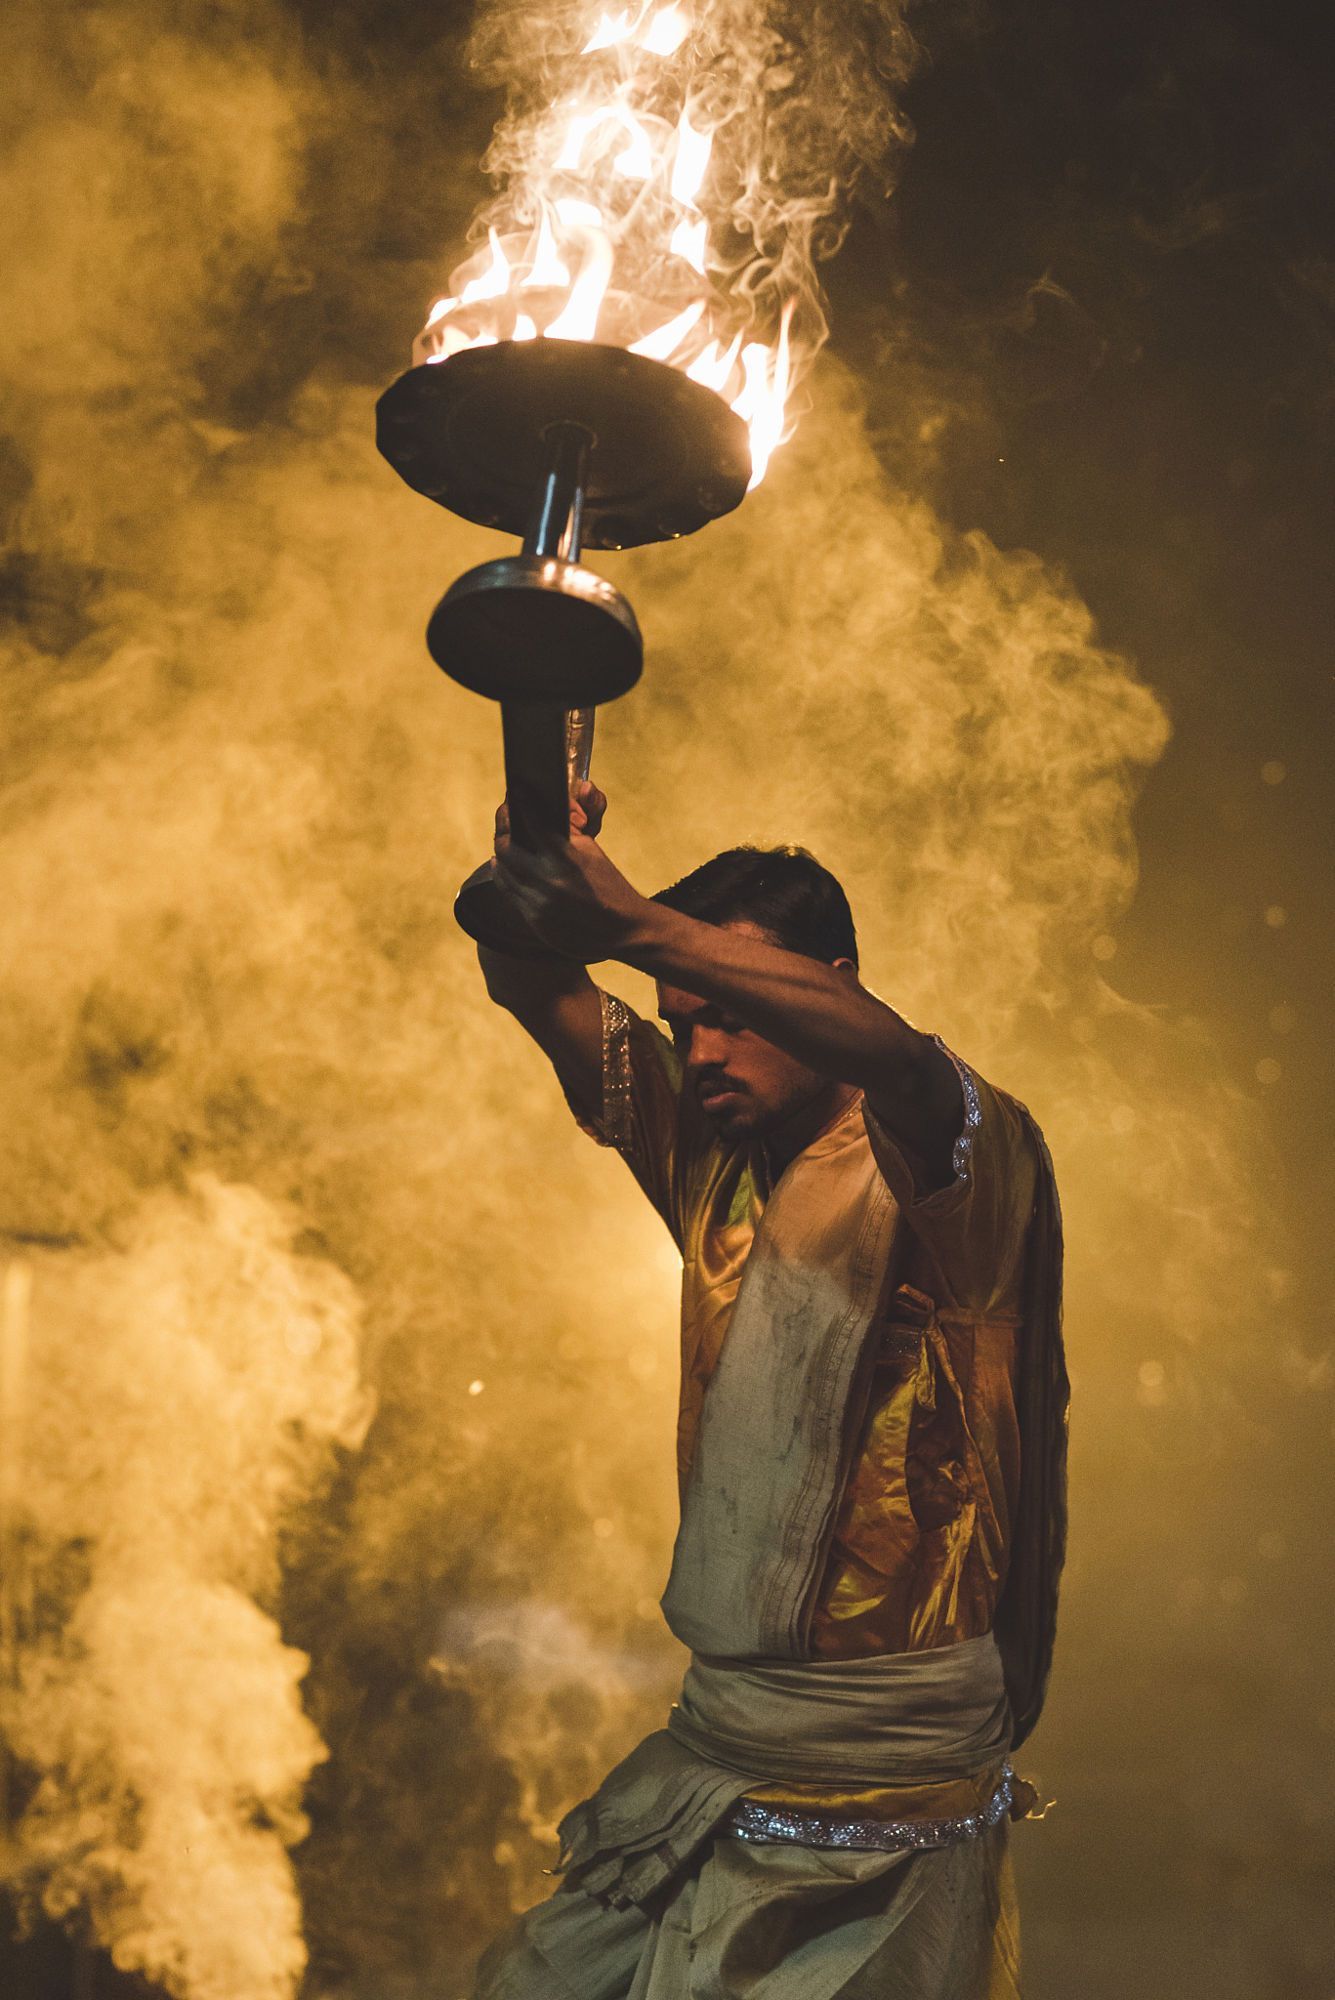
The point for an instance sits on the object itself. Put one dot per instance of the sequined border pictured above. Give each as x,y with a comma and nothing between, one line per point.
753,1821
616,1072
973,1111
900,1346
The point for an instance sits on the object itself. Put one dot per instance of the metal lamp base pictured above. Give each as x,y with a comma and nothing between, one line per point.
666,455
482,911
534,628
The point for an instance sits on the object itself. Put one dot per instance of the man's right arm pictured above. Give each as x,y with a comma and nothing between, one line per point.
620,1076
555,1001
553,998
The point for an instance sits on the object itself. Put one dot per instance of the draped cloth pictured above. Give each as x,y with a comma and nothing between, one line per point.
818,1299
896,1719
662,1901
874,1394
1026,1617
921,1480
769,1922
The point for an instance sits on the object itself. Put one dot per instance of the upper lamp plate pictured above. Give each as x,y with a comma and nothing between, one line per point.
668,454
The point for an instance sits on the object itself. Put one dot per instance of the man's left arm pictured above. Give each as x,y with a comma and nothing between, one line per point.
820,1014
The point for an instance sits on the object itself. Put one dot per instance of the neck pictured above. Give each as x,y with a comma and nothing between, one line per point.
804,1123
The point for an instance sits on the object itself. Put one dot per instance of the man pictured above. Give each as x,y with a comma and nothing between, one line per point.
871,1450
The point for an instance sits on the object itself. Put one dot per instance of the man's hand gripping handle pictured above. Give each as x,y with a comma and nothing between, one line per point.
548,751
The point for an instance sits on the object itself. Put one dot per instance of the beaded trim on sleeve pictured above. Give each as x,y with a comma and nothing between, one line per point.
751,1821
973,1111
616,1072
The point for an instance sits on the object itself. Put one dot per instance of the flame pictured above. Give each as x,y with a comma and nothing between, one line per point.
547,268
611,30
605,233
494,282
666,31
761,403
635,161
690,161
662,34
714,365
689,240
579,320
661,346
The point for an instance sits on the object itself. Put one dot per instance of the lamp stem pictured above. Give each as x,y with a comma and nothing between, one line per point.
548,747
555,527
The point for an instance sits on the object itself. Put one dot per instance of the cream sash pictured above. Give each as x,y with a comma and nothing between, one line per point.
894,1718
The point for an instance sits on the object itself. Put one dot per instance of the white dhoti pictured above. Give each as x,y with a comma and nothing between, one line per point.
679,1889
776,1922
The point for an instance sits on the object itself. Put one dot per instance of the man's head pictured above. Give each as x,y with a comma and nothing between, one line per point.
782,894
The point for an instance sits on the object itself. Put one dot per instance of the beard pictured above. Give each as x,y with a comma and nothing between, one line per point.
731,1109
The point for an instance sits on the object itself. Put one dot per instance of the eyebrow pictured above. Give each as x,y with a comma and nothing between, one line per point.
685,1020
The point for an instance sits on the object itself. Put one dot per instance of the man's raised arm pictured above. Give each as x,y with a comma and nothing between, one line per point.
822,1015
553,999
818,1013
556,1002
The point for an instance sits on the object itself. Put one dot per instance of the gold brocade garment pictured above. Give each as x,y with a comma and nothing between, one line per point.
918,1550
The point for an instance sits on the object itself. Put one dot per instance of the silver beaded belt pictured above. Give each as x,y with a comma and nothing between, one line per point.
750,1820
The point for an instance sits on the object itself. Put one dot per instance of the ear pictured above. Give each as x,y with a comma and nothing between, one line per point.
846,966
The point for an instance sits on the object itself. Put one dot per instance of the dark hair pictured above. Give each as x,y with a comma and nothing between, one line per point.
782,890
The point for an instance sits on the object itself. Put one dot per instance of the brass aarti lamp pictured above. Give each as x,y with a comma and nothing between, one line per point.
571,445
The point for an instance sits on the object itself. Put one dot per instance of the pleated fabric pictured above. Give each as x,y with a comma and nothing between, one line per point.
772,1921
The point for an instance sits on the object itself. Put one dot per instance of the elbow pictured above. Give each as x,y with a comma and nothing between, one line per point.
499,978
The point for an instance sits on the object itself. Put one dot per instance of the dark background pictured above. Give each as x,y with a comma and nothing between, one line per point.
1109,258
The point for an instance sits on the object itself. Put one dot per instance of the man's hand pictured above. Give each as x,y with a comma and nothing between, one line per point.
588,810
569,893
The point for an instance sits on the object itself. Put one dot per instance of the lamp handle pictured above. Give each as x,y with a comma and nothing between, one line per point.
547,752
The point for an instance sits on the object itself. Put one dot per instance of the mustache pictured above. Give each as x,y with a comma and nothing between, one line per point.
712,1085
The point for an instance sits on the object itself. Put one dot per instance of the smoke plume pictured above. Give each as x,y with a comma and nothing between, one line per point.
179,1395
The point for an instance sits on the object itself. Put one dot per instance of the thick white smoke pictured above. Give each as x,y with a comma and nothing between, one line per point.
173,1399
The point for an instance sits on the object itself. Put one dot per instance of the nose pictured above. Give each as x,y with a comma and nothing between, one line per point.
709,1050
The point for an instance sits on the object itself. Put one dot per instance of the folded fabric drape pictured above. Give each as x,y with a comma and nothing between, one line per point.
903,1718
894,1718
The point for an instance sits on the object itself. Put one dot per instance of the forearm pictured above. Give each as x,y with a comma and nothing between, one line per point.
559,1007
819,1015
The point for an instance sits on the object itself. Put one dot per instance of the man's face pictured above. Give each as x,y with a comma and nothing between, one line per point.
746,1086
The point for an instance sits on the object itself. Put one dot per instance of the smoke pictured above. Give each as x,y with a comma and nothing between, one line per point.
179,1395
252,1087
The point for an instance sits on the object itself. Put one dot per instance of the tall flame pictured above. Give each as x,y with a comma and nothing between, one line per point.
604,229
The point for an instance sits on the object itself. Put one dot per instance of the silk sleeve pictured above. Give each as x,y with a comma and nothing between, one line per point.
641,1101
972,1230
